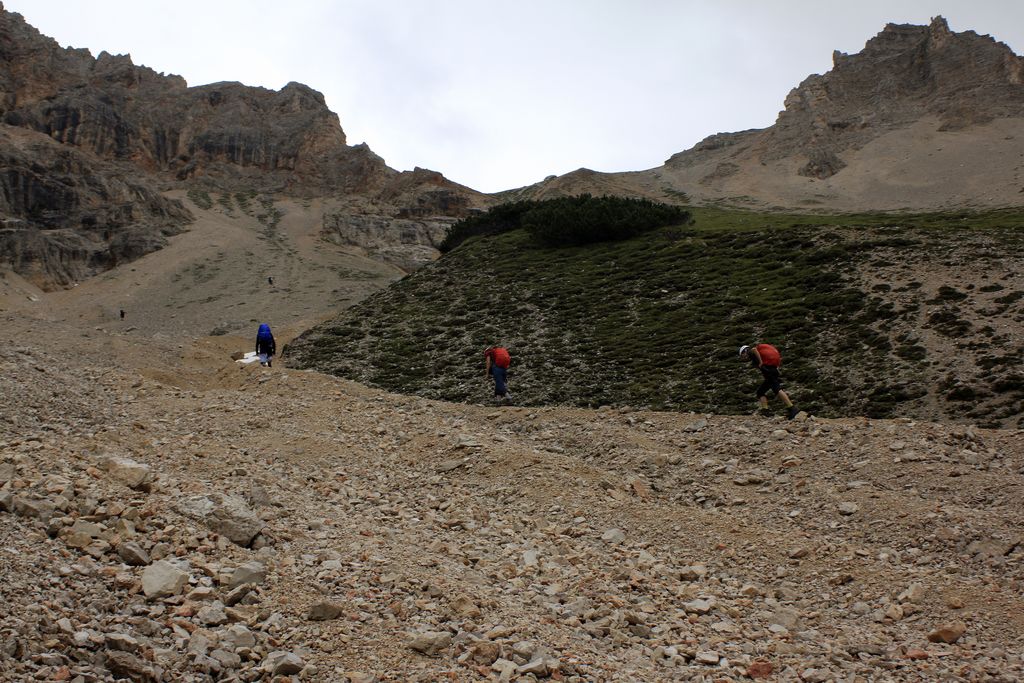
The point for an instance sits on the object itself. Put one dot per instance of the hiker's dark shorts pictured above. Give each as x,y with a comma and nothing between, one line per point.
500,378
772,381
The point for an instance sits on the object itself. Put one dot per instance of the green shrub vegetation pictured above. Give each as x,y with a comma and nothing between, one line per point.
653,316
569,220
201,198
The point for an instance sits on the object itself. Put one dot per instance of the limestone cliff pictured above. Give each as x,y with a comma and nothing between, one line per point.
119,125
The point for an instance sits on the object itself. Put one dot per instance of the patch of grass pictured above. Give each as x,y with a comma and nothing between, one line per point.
655,320
227,204
201,198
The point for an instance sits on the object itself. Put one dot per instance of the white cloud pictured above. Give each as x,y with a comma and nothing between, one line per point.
498,95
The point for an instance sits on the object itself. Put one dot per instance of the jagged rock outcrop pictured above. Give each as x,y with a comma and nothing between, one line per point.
129,125
902,75
878,131
402,242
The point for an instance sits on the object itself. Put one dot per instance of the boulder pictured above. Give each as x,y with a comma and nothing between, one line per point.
163,579
134,475
227,515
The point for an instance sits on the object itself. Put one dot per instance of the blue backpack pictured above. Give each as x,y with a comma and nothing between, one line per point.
264,334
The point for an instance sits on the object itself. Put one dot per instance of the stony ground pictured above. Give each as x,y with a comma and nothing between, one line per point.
167,514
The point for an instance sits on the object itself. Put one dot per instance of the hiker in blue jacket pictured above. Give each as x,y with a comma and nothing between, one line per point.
265,345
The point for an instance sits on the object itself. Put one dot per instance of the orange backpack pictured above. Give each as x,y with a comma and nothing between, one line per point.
769,355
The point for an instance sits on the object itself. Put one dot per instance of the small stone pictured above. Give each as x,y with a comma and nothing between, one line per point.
250,572
212,615
134,475
228,660
283,663
538,667
915,593
709,657
760,668
431,642
125,665
848,509
698,606
121,641
324,611
694,572
948,633
797,553
238,636
893,612
485,652
201,641
814,676
236,596
224,514
132,553
786,618
25,507
613,537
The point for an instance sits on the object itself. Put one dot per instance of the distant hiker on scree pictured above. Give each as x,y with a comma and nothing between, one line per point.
270,281
122,314
767,359
496,361
265,345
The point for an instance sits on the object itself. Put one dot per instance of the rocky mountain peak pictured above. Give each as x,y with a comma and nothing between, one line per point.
904,73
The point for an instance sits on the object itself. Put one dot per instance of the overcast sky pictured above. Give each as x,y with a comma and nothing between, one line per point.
497,95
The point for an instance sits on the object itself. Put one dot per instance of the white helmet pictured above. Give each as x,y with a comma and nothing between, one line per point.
743,350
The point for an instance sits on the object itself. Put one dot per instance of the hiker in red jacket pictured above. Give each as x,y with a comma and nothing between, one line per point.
497,360
767,359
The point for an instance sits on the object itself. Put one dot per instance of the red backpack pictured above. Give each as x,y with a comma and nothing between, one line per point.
500,357
769,355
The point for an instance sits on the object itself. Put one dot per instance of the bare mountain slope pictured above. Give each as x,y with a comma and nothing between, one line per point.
215,278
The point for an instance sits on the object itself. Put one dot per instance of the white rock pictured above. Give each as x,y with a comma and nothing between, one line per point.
613,536
162,579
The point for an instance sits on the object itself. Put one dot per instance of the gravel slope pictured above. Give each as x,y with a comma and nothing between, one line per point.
400,539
